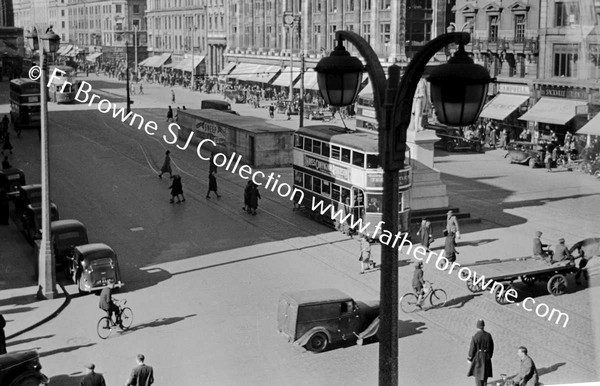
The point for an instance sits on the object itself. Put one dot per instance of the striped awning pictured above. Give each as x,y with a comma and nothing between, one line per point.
227,69
93,57
310,81
288,73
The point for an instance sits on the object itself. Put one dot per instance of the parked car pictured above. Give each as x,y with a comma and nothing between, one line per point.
66,235
316,318
525,153
29,195
31,221
21,368
451,139
93,266
10,180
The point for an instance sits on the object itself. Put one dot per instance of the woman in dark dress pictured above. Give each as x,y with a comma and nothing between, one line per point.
254,197
450,247
176,189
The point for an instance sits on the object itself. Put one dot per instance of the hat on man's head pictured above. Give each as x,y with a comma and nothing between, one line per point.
538,234
450,212
90,366
561,240
480,323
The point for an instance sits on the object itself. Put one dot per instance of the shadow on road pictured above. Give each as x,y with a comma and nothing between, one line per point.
21,341
541,202
474,243
409,327
18,310
158,323
550,369
67,379
460,301
65,349
18,300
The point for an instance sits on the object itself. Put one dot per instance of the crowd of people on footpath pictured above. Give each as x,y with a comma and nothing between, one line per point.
7,152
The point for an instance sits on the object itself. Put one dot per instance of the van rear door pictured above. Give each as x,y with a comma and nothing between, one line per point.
287,313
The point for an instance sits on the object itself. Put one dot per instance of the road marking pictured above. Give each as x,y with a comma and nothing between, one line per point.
138,229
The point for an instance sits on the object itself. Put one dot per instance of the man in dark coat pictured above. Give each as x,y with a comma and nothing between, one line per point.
528,375
142,374
538,247
480,355
247,191
450,247
106,302
2,336
92,378
212,185
254,197
561,252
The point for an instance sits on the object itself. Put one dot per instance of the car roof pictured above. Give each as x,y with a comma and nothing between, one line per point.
10,171
324,295
60,225
94,247
31,187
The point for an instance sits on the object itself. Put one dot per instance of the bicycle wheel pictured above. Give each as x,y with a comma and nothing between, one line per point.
438,298
104,327
408,303
126,318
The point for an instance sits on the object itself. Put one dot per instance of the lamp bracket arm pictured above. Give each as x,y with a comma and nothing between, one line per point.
415,70
374,69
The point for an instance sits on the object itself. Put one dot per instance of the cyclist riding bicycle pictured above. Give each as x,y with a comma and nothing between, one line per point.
418,282
107,302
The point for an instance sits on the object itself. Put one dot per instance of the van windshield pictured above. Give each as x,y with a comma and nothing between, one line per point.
319,312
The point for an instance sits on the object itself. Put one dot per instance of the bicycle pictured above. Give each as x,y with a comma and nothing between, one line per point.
106,325
437,298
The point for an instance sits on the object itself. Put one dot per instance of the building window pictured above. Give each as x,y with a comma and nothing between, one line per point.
566,13
332,29
367,5
62,12
384,32
350,5
565,60
419,19
367,32
386,4
63,24
118,8
493,29
594,55
136,8
519,28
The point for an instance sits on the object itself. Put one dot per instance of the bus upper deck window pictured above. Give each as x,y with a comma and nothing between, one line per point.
346,155
325,149
335,192
345,195
316,147
298,177
308,181
307,144
297,141
335,152
326,188
372,161
358,158
316,185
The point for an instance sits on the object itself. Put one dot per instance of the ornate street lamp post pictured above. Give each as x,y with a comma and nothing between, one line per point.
458,92
47,42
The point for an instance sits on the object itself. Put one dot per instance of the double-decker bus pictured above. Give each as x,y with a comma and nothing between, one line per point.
341,169
63,87
25,103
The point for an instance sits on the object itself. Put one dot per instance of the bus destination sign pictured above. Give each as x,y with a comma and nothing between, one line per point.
325,167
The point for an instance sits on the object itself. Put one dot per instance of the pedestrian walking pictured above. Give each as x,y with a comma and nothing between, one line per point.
212,167
7,145
141,89
425,233
452,224
528,375
177,114
254,197
548,160
4,207
450,247
247,191
365,254
92,378
142,374
176,189
172,96
271,111
4,125
212,185
166,167
170,114
5,163
2,335
480,355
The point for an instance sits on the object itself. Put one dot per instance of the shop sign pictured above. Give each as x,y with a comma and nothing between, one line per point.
404,181
374,180
326,167
563,92
507,88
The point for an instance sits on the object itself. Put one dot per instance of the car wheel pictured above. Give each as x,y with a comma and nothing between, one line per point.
532,163
317,343
450,146
597,174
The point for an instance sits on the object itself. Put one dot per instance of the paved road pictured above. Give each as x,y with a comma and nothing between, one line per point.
203,278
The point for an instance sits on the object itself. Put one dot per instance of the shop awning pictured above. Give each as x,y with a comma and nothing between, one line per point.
243,70
64,48
186,64
592,127
67,51
261,73
502,106
158,60
556,111
93,57
283,79
227,69
310,81
368,89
